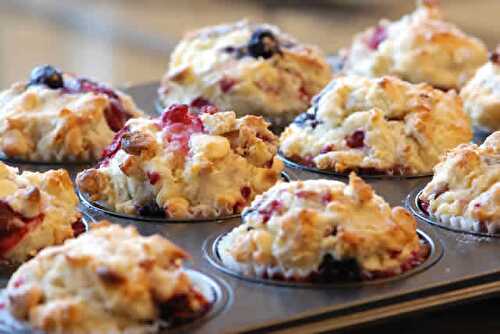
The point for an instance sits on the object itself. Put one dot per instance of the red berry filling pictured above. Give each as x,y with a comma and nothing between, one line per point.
377,37
78,227
226,84
200,102
270,209
356,139
178,125
116,114
153,177
110,151
178,310
246,191
13,227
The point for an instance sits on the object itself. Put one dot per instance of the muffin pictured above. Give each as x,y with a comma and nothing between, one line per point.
185,165
58,117
382,125
36,210
322,231
420,47
247,67
108,280
465,190
481,95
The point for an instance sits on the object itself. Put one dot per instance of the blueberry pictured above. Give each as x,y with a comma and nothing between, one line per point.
151,209
47,75
263,44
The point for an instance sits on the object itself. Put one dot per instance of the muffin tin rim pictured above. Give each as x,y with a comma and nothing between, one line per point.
210,253
295,165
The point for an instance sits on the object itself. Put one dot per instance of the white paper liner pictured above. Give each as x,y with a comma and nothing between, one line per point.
263,271
462,223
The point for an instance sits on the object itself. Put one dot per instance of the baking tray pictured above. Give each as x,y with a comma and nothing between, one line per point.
253,307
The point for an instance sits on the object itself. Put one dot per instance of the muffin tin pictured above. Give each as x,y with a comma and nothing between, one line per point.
452,272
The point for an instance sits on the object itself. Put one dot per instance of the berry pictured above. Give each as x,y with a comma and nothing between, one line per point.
151,209
378,36
48,76
356,139
263,44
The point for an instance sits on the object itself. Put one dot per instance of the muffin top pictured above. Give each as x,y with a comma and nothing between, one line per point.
108,280
299,229
481,95
420,47
36,210
382,125
466,184
185,165
57,116
247,67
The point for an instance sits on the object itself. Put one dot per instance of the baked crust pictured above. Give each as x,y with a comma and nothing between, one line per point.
207,67
382,125
185,165
108,280
36,210
73,123
481,95
291,229
465,189
420,47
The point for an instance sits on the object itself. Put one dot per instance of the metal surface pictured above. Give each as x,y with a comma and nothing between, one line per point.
469,268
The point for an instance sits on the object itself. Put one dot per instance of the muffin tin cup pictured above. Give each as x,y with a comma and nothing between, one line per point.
211,253
455,225
298,166
6,269
215,291
102,209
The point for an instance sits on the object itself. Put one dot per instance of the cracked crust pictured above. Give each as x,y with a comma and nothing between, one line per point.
289,231
36,210
382,125
108,280
54,125
465,189
205,69
420,47
211,165
481,95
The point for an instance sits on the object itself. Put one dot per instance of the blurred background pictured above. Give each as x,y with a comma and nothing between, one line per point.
128,42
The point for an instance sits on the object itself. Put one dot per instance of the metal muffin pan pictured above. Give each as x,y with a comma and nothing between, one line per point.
263,308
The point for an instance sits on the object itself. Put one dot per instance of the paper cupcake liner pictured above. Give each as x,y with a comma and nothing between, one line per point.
309,275
453,223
